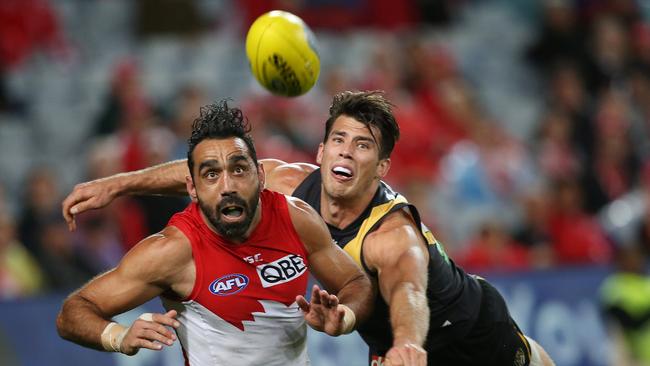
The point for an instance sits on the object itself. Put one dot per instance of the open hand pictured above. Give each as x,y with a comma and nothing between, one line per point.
150,331
408,354
324,313
87,196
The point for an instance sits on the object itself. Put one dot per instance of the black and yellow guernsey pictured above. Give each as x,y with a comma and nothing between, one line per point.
453,296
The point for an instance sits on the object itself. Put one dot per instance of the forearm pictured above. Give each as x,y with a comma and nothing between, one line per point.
80,321
163,179
409,314
358,295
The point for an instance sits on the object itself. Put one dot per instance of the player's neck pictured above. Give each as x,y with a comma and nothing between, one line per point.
341,212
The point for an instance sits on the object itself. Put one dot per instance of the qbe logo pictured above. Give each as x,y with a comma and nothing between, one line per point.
282,270
229,284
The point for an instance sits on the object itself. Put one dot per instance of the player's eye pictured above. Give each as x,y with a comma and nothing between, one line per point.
211,174
239,170
363,146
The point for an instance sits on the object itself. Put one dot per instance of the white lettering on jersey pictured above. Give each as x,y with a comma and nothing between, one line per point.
282,270
254,258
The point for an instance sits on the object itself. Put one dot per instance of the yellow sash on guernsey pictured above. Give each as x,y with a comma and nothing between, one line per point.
353,247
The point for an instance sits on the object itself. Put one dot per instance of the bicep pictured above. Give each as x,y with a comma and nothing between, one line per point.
137,279
400,259
328,263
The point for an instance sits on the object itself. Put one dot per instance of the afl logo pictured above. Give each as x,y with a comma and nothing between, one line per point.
229,284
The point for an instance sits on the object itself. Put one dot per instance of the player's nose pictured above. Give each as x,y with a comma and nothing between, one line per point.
346,151
228,186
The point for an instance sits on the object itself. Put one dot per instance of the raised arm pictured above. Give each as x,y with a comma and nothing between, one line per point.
157,264
352,294
285,177
163,179
166,179
398,253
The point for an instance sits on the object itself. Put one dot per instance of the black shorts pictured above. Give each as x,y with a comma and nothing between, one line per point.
495,338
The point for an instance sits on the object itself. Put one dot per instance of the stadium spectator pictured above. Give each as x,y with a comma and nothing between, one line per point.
185,109
126,97
608,57
25,26
566,94
614,166
577,236
560,37
557,157
40,203
533,232
20,275
492,249
98,242
63,264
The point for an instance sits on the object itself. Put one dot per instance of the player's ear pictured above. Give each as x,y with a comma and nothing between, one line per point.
261,175
191,189
319,156
383,167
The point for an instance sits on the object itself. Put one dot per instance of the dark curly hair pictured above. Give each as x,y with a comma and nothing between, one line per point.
370,108
220,121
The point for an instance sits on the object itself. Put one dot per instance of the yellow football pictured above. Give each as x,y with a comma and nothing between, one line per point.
281,50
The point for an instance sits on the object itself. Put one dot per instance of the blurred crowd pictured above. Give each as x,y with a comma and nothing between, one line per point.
499,201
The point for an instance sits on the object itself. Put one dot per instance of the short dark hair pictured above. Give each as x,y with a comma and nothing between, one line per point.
220,121
370,108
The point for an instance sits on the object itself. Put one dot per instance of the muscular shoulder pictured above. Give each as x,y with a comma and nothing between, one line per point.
270,164
160,257
308,224
395,222
302,214
285,178
397,234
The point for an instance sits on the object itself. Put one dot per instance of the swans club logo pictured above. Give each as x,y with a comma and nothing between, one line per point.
229,284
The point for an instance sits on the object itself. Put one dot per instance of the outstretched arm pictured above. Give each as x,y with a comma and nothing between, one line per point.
398,253
145,272
166,179
285,177
163,179
350,301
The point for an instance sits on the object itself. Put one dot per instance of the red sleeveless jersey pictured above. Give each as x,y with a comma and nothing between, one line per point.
242,307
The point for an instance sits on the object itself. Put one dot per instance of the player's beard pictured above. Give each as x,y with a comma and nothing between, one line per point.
234,231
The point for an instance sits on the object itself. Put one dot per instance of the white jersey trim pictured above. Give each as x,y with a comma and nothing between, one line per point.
277,336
